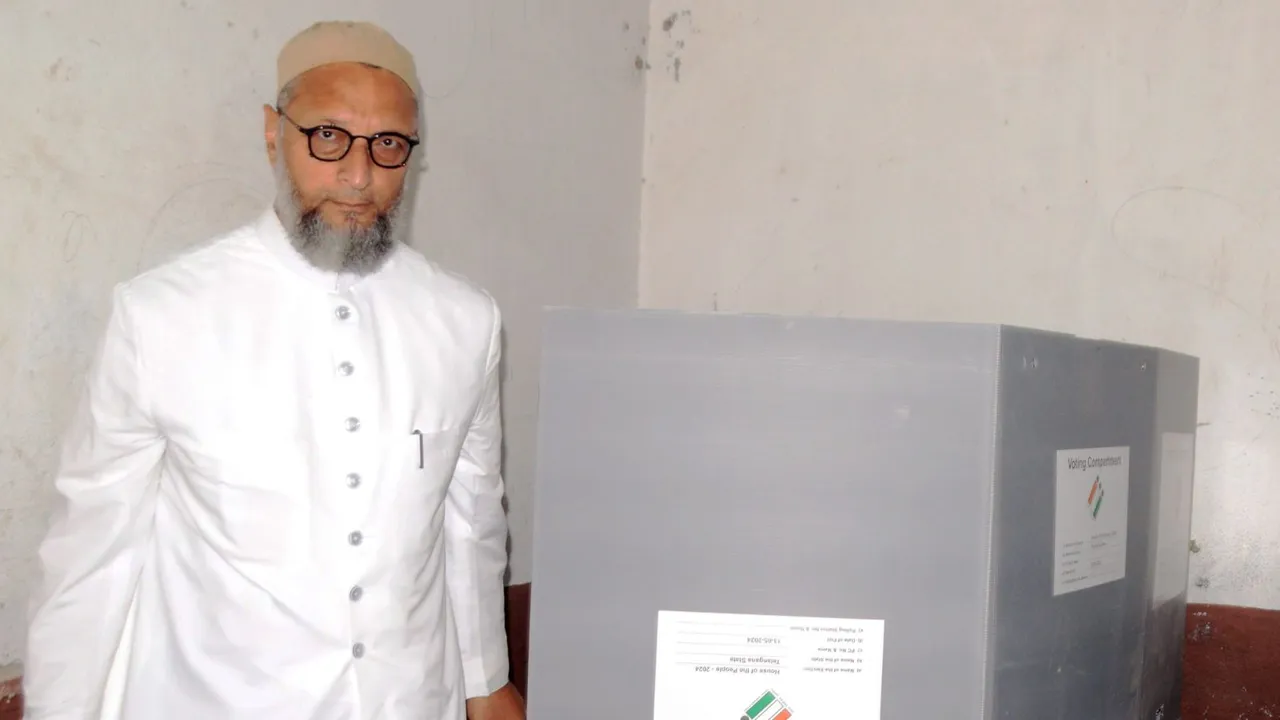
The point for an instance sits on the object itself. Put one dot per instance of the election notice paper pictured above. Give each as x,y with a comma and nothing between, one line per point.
766,667
1091,518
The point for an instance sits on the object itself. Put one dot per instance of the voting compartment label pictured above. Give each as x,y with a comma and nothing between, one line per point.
1091,518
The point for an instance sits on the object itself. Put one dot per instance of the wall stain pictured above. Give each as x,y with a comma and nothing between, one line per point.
676,27
59,70
79,231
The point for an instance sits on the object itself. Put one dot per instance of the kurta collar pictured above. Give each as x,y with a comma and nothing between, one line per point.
272,234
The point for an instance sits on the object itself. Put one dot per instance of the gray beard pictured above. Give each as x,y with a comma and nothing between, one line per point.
350,249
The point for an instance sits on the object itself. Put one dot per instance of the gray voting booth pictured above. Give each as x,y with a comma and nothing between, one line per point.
927,475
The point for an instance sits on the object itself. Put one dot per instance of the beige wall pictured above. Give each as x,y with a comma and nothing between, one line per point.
1109,169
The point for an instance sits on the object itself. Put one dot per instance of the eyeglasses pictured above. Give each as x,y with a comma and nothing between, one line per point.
330,143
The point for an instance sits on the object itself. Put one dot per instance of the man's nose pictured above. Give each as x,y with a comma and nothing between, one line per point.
357,166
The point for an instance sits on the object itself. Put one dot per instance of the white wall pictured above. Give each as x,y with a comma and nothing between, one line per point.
134,130
1107,169
1104,168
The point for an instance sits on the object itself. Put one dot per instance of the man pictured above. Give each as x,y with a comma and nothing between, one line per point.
281,495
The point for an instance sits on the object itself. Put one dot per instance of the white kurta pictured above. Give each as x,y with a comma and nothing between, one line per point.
294,478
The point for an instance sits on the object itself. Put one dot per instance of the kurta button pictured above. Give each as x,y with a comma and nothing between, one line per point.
346,368
343,312
353,424
357,650
356,593
355,538
353,480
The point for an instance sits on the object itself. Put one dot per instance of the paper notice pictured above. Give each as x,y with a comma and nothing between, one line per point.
1091,528
766,667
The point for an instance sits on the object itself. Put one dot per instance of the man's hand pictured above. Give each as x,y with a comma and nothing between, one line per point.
505,704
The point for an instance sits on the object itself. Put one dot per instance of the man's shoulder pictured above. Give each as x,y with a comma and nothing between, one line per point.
187,274
446,288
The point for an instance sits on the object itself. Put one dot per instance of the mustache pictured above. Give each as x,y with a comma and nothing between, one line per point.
343,200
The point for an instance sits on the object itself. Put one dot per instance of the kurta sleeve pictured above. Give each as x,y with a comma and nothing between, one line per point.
476,537
90,559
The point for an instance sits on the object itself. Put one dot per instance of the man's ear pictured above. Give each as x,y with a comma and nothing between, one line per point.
271,132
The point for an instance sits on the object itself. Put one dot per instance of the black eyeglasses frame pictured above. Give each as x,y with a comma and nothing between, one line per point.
310,132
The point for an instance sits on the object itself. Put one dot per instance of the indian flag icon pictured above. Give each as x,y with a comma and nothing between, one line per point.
1095,496
767,707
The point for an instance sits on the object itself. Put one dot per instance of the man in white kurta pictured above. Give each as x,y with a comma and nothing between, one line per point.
281,497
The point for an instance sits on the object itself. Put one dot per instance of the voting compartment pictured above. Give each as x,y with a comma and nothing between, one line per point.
795,518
